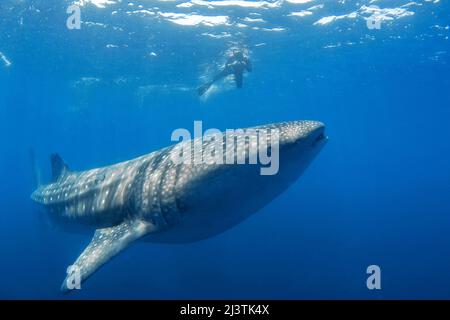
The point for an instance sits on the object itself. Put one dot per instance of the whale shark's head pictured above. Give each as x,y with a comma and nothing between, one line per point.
296,132
299,143
221,195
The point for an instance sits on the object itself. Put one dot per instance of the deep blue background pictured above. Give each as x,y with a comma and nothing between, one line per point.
377,194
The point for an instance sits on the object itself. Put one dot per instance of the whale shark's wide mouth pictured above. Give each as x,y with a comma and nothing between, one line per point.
321,137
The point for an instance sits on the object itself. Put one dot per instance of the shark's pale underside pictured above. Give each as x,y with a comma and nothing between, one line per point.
154,199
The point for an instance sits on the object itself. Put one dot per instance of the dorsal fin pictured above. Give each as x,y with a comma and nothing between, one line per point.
59,168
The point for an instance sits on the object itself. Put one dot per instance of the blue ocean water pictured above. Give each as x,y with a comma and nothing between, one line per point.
116,88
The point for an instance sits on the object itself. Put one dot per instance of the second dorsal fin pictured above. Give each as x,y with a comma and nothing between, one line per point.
59,168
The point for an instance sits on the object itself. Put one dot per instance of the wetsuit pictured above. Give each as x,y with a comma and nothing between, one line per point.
235,65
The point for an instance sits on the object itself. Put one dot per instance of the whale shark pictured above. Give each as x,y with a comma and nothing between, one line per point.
154,199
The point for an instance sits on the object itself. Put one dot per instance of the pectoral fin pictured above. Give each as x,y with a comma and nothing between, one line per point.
105,244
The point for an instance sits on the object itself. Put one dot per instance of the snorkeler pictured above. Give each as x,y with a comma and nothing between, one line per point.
236,65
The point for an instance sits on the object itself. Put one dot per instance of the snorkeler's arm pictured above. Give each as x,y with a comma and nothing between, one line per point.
248,65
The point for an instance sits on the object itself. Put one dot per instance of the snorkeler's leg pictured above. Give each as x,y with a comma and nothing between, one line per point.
203,88
238,78
225,72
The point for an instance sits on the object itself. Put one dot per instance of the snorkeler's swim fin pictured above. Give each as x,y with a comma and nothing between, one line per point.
203,88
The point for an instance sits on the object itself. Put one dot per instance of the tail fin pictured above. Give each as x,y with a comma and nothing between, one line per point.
35,168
